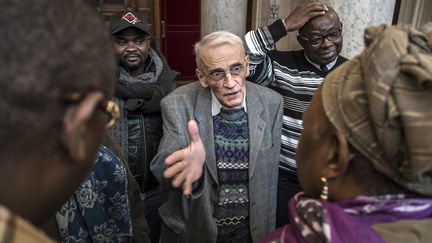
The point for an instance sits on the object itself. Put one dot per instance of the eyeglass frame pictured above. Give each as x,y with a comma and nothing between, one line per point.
108,106
243,67
321,39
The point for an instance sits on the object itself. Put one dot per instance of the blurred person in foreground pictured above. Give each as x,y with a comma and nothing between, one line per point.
366,148
57,81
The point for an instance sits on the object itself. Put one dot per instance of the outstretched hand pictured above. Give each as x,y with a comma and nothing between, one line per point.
185,166
303,13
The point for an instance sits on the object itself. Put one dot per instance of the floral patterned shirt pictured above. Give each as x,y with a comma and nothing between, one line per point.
99,210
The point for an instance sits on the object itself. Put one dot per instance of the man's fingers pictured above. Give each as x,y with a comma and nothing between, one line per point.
174,157
170,172
174,169
187,185
313,10
181,176
193,132
178,180
316,6
181,163
316,14
303,13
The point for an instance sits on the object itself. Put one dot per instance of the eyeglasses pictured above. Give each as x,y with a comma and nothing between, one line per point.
108,106
112,109
333,36
218,75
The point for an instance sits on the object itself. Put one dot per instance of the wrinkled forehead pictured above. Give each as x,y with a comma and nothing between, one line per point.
223,54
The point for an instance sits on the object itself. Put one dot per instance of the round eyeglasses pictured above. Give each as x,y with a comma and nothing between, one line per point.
317,41
108,106
217,76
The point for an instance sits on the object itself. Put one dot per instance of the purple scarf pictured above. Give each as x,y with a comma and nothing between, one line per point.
316,220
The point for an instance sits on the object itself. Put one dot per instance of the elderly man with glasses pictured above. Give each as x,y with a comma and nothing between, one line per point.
220,149
295,75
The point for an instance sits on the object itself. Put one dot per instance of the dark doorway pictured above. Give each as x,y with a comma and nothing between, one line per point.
180,30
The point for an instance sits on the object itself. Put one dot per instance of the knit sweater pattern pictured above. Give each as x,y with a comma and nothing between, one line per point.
231,134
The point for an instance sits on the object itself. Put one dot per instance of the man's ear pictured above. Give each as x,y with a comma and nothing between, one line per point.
247,60
149,41
76,125
201,77
339,157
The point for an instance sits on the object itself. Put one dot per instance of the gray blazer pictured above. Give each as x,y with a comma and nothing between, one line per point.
191,219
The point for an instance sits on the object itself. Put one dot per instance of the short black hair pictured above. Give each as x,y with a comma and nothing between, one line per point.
48,49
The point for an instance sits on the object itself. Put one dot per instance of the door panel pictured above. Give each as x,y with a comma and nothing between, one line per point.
180,30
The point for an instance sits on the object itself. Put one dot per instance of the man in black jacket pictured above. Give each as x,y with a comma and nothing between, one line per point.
296,75
144,78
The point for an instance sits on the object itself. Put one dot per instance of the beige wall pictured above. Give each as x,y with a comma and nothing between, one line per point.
229,15
426,13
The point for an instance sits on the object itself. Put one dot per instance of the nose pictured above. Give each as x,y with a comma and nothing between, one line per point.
229,80
131,46
326,43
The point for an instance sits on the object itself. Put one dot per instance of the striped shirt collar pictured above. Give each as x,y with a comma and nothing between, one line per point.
329,65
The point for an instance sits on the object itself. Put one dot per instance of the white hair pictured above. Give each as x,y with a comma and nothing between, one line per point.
214,39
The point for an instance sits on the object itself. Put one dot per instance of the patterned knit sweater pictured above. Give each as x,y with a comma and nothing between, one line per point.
290,74
231,134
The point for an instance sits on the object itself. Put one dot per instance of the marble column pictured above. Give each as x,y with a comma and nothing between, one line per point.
356,16
229,15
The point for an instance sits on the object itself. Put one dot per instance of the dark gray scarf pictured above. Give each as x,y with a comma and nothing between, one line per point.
127,87
150,75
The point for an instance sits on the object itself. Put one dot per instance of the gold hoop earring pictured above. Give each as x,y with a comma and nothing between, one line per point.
325,189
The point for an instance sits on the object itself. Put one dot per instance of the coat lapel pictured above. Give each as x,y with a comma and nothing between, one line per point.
205,123
256,125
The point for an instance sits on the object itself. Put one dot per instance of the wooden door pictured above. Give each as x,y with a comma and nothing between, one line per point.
180,30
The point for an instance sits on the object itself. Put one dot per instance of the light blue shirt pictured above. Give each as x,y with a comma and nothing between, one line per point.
329,65
216,105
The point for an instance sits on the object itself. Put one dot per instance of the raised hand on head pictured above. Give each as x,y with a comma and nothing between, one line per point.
303,13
